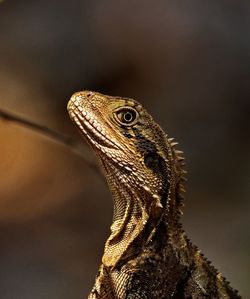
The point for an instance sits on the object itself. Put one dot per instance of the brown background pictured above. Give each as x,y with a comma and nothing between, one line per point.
187,62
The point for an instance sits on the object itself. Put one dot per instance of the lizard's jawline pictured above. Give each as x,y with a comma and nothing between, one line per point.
91,131
98,140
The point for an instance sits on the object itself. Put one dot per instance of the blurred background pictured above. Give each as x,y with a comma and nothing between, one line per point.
187,62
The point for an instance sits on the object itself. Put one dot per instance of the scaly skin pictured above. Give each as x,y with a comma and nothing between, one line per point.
147,254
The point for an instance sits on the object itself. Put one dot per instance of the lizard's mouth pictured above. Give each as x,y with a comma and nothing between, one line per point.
104,145
90,128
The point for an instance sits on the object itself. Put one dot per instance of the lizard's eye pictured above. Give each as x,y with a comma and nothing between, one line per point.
126,116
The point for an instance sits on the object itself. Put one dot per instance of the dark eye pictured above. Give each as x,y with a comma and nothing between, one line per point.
126,116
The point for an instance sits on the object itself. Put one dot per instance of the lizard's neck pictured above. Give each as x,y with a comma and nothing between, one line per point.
137,222
131,223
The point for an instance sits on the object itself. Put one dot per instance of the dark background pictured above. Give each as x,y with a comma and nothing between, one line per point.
187,62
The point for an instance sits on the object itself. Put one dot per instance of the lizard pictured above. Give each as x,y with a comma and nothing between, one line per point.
147,254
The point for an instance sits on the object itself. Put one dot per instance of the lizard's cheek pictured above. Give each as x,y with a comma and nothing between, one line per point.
91,129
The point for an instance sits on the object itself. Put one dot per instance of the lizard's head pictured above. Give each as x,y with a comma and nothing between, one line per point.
140,163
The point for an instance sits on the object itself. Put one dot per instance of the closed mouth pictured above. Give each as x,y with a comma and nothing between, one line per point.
91,129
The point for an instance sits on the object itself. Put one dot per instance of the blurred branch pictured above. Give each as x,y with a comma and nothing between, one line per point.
74,145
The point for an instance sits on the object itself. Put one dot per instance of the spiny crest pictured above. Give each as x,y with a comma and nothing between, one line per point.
180,173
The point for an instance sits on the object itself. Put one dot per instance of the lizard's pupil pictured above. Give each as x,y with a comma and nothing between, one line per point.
127,116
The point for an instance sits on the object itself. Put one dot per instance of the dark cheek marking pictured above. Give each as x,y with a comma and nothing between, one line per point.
143,145
155,162
158,165
127,134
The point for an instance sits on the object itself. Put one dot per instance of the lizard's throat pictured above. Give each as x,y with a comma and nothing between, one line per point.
129,218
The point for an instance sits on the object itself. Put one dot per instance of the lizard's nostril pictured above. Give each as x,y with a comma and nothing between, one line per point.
88,94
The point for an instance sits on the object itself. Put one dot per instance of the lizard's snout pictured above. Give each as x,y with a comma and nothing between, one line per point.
78,97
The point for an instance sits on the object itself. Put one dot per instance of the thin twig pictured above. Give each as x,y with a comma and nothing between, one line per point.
74,145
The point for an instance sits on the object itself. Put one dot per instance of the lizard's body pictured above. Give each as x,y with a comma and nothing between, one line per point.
147,254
